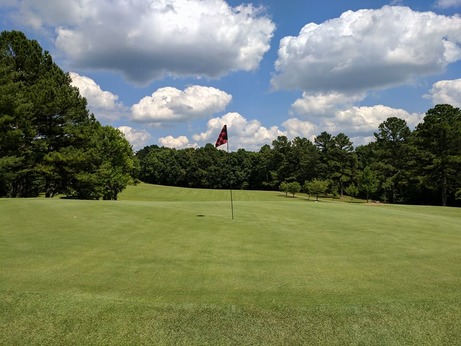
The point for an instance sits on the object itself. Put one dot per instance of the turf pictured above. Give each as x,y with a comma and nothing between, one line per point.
168,266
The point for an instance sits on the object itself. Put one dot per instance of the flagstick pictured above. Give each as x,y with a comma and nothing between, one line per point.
230,182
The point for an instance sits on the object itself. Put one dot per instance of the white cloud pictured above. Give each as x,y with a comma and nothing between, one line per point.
103,104
180,142
243,133
359,123
299,128
323,104
362,140
42,14
367,50
145,40
8,3
137,138
446,92
363,121
448,3
172,105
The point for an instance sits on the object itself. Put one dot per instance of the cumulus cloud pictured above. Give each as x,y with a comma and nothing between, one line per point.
363,121
448,3
146,40
324,104
173,105
300,128
180,142
243,133
8,3
103,104
42,14
359,123
446,92
137,138
367,50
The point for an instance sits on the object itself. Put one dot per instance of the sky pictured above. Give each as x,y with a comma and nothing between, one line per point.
173,72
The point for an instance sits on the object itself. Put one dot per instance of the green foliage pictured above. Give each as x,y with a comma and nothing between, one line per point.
292,187
352,190
439,143
316,187
117,164
395,154
337,162
49,143
284,187
368,182
404,171
458,194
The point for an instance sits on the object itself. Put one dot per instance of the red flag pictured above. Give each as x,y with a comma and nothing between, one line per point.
222,139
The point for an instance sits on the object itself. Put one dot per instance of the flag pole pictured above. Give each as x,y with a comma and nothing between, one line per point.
230,181
224,138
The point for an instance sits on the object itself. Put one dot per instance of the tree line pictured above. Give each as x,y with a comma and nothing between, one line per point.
49,143
422,166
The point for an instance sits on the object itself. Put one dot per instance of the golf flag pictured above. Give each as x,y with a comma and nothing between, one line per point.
222,139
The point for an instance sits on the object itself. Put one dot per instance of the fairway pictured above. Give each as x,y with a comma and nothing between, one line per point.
168,266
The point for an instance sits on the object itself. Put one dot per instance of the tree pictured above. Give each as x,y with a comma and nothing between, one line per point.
400,166
352,190
280,157
20,63
316,187
458,194
241,165
438,139
394,153
117,164
49,141
368,182
284,187
343,161
324,143
294,187
302,159
338,161
264,174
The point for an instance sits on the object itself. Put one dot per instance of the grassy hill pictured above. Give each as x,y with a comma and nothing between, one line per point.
167,265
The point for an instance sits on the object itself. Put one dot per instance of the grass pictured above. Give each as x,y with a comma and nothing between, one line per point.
168,266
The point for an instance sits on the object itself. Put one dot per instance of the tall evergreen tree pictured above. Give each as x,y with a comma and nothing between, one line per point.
303,158
281,148
47,139
343,161
395,156
337,159
438,139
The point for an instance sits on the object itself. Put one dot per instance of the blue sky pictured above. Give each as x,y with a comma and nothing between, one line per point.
173,72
